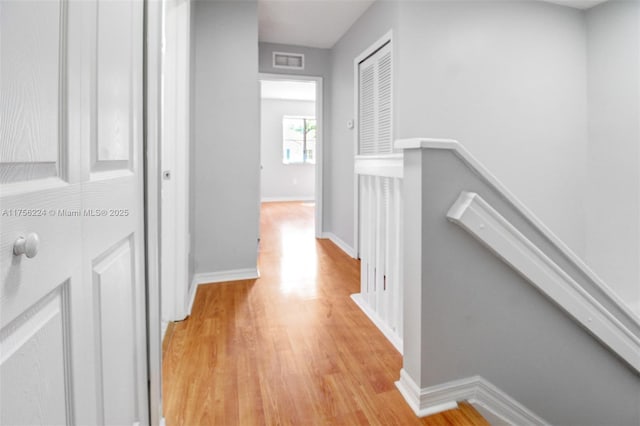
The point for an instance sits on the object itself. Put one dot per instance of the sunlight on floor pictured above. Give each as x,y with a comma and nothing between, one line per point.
299,261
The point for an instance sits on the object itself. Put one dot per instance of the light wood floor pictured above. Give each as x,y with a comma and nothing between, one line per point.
290,348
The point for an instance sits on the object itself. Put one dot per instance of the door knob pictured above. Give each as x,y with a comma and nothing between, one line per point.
27,246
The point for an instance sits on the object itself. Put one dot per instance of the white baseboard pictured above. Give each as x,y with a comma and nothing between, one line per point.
489,416
341,244
224,276
218,277
502,405
288,198
475,390
391,335
423,402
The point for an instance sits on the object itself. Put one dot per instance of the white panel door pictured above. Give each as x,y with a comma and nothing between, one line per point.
72,316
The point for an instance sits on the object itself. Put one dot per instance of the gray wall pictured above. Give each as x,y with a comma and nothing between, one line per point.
506,79
471,314
478,72
227,136
279,180
613,213
374,23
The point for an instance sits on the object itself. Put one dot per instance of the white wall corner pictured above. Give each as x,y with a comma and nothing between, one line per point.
475,390
340,243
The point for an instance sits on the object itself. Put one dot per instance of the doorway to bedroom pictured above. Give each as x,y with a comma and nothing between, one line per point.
291,142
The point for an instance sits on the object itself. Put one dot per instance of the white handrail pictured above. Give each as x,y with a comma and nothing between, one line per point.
461,152
475,215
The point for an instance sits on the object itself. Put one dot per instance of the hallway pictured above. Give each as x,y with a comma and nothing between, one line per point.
288,348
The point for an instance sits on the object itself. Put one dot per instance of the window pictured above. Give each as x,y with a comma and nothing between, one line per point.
299,140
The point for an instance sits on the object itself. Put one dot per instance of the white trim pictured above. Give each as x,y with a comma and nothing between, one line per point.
491,418
391,335
423,402
502,406
218,277
388,165
225,276
386,38
318,195
175,141
461,152
153,116
476,390
301,198
340,243
475,215
319,154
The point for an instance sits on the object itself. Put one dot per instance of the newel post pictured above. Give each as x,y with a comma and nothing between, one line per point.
414,245
412,234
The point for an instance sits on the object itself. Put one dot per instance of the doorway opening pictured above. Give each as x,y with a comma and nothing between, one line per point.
291,141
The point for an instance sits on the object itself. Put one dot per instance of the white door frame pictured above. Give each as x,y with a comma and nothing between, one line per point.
152,123
386,38
175,142
319,137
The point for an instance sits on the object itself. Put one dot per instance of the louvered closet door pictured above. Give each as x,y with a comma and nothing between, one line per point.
375,94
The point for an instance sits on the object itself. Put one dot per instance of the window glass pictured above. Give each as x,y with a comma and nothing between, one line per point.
299,140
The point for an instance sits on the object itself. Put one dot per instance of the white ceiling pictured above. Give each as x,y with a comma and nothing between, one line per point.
321,23
289,90
312,23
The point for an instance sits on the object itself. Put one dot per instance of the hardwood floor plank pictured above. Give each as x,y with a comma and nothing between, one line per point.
290,348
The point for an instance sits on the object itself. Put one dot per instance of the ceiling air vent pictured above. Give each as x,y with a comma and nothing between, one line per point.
294,61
